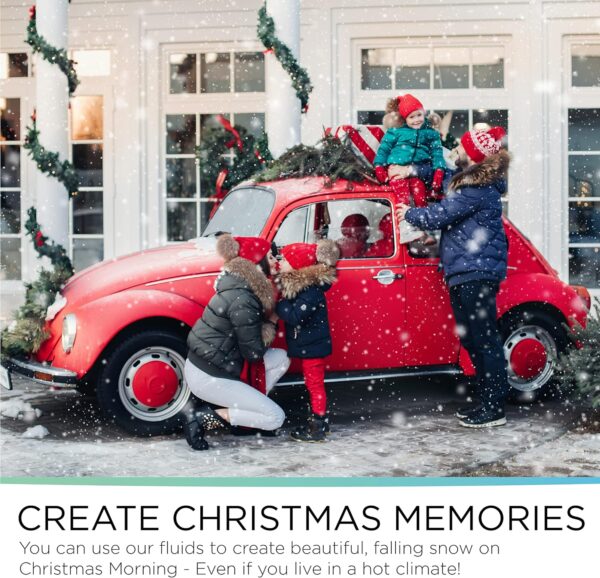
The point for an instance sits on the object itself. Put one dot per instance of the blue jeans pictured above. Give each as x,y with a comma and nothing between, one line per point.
474,306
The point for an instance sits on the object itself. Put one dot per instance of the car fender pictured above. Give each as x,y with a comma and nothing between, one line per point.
540,288
100,321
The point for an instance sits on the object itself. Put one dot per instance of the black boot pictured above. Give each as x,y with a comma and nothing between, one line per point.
314,431
197,422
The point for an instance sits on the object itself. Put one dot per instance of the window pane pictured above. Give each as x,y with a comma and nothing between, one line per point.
490,117
87,159
243,212
584,266
92,62
181,221
10,119
10,166
87,118
10,259
88,213
370,116
488,67
181,133
182,72
253,122
451,68
585,65
215,72
584,176
13,65
10,219
456,121
87,252
584,222
181,177
249,72
584,129
293,228
412,68
376,68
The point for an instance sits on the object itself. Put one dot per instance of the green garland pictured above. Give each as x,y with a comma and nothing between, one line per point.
331,158
579,368
51,54
248,159
49,163
300,79
27,332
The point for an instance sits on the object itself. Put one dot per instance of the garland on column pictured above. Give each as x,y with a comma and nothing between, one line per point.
300,79
27,332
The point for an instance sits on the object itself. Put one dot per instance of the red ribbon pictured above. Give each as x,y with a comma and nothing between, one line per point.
219,184
32,12
237,140
39,241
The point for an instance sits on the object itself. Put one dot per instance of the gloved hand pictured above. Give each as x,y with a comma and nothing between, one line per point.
438,179
381,174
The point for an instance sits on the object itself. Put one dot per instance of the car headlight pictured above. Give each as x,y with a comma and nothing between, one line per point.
69,331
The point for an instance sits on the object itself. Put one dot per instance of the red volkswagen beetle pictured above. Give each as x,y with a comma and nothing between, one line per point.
122,325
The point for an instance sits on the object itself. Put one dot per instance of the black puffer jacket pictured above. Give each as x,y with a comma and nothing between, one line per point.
231,328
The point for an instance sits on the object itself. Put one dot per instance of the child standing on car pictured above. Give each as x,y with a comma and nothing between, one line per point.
409,140
307,271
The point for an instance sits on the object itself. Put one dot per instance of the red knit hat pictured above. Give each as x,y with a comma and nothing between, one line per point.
479,144
407,104
253,248
300,255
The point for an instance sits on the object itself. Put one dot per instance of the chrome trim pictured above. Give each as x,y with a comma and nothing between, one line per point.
163,281
378,376
60,377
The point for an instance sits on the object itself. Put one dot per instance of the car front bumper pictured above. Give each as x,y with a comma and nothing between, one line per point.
39,372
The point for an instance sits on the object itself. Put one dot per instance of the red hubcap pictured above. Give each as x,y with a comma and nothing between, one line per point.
155,384
528,358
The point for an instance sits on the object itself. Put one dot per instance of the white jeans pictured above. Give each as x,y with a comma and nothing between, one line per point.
247,406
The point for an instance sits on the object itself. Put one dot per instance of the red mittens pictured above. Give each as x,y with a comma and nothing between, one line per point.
381,174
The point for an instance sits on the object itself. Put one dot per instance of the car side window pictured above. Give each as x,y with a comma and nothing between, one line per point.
427,247
294,227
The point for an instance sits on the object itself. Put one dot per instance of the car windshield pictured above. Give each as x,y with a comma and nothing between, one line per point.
243,212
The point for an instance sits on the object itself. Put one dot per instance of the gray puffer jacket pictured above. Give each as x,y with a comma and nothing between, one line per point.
231,328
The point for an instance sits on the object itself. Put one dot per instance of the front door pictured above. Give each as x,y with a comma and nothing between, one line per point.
366,305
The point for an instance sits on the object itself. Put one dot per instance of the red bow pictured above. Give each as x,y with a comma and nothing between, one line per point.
39,239
32,12
237,140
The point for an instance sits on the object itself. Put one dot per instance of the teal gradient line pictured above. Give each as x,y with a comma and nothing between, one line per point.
298,482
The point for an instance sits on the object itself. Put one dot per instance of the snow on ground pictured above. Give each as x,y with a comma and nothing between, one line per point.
376,432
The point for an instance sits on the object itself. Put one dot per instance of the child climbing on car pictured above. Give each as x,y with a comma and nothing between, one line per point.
307,272
409,140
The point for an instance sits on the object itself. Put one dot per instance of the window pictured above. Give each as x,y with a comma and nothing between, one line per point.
432,67
187,192
216,72
87,207
14,65
362,228
585,65
10,188
584,196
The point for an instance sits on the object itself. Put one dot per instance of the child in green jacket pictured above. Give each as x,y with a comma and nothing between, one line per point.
409,140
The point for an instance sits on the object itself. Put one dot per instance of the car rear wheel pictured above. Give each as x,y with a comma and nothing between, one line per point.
532,342
141,387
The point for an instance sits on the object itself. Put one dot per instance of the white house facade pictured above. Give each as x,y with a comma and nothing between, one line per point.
155,73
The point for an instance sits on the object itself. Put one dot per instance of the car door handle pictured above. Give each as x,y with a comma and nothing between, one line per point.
387,277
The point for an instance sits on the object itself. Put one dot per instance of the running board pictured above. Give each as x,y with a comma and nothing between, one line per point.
338,376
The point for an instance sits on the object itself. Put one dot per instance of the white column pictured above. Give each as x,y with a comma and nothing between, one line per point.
283,106
52,101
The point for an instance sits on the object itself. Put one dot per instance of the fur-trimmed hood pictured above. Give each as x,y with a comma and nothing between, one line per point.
293,282
255,278
491,170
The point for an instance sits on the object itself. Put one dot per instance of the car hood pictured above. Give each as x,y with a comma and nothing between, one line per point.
181,260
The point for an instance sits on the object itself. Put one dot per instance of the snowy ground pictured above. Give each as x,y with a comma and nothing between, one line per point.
392,429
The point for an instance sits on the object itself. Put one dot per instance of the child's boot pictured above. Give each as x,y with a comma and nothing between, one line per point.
313,431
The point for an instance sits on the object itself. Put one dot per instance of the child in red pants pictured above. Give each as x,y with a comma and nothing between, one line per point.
307,271
409,140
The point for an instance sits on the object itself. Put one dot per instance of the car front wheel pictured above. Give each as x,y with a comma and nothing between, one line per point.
532,342
141,386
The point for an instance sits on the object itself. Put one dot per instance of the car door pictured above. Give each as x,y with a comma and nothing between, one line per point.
431,336
366,305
